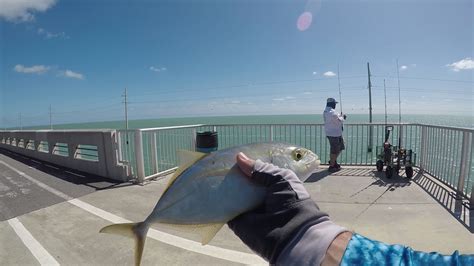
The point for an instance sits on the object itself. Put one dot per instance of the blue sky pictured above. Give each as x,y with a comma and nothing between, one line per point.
208,58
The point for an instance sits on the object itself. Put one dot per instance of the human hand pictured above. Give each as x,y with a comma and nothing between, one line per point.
345,116
286,209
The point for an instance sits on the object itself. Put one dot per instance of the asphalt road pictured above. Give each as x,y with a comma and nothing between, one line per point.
20,194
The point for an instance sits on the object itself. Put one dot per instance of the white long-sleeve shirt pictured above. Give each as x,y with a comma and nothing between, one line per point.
333,122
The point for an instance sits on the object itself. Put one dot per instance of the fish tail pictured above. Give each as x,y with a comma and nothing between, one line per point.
136,231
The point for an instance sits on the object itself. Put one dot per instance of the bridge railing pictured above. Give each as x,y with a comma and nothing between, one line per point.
444,152
90,151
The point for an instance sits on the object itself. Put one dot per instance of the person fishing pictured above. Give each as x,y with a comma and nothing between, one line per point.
290,229
333,126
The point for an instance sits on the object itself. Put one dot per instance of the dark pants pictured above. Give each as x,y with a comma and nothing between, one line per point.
337,144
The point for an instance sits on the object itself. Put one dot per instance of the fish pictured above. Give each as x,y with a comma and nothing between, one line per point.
208,190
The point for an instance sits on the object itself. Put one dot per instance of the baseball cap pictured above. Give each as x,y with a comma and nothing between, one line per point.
331,100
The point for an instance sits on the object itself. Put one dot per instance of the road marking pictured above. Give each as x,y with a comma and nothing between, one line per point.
213,251
43,257
39,183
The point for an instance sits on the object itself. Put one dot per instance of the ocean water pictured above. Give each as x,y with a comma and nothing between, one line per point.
444,147
445,120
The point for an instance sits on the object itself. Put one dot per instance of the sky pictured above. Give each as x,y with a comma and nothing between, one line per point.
184,58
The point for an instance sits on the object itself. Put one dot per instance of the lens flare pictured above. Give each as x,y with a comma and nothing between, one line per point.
304,21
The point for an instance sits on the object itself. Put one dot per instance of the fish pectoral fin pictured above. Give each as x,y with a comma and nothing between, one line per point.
208,232
205,231
185,160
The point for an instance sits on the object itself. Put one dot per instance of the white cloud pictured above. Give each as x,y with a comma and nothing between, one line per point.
464,64
22,10
329,74
290,97
50,35
235,102
403,68
158,69
279,99
71,74
307,93
315,73
37,69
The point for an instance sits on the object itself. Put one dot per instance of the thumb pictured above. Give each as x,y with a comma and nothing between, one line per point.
245,164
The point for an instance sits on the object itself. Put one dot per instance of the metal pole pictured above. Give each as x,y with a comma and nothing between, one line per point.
399,97
154,157
50,118
193,139
126,114
423,148
399,106
139,156
464,165
369,149
271,133
385,95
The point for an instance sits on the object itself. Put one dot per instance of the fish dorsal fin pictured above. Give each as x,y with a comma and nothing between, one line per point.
185,160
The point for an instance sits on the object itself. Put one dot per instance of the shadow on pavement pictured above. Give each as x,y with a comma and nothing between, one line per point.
458,206
69,175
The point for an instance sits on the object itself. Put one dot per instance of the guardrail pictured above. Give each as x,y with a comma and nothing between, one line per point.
444,152
92,151
447,154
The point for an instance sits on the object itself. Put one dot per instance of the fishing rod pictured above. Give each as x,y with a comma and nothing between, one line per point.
385,95
340,95
399,108
339,85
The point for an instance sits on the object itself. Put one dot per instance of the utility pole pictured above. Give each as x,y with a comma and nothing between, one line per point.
125,101
50,118
400,133
369,149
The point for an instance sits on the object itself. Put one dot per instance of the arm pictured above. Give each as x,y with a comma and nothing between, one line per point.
340,117
288,227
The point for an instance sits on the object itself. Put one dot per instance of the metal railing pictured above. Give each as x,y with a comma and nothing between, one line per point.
443,152
447,154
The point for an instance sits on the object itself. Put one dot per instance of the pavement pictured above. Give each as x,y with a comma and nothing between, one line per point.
50,216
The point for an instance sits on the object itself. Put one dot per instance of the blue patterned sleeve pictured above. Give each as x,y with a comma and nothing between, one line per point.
363,251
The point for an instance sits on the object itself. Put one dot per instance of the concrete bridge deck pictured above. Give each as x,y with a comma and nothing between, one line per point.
50,215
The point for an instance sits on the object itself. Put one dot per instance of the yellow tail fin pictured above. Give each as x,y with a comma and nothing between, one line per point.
136,231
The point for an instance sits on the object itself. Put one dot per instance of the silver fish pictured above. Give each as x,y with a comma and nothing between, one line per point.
208,190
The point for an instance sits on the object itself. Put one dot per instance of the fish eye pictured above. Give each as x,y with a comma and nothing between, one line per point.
298,154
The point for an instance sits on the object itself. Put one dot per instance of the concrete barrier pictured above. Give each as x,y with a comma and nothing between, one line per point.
90,151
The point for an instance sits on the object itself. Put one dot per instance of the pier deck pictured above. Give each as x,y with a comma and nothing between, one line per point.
51,215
